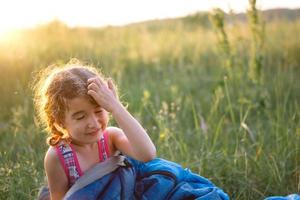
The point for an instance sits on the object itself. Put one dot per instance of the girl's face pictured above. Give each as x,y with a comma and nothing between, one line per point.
84,121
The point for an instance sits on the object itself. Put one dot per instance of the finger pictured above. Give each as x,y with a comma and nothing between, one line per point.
90,80
96,80
110,84
101,81
112,87
94,95
93,86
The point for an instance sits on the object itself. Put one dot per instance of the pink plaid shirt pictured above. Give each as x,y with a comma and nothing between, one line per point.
69,160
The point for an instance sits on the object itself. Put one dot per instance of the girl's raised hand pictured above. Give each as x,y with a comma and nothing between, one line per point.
104,93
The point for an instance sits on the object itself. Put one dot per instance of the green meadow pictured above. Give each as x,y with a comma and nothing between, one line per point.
220,97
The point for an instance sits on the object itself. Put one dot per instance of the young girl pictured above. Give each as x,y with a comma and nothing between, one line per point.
74,102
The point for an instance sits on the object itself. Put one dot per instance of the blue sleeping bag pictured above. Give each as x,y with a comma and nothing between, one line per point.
289,197
158,179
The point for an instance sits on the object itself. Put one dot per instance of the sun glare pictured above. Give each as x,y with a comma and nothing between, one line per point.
16,14
5,33
8,22
8,33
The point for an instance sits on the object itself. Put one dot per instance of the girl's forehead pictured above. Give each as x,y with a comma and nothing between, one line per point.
81,103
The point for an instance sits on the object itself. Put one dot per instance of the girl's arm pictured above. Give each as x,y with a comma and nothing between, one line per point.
57,180
138,145
142,147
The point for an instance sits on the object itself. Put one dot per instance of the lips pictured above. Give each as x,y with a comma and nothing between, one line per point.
93,133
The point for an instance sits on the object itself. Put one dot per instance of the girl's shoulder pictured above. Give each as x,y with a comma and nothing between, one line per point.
57,180
114,135
119,141
51,153
52,163
112,131
51,158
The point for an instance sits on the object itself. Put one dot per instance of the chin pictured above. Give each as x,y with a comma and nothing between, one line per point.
91,139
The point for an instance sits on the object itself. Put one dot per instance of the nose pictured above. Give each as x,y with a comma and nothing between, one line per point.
93,122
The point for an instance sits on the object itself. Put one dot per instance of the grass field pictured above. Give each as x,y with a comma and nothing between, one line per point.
188,85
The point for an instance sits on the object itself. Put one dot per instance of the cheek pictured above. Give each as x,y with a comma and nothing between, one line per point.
75,127
104,118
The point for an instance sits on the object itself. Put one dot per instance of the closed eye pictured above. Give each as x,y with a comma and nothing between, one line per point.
79,118
99,111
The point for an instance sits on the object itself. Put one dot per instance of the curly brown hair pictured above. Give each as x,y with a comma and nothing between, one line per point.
53,87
